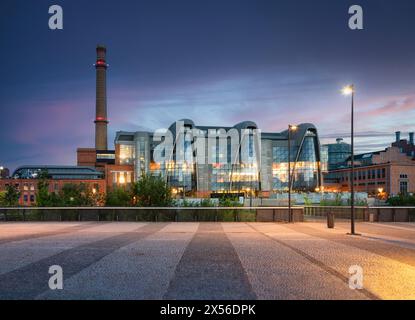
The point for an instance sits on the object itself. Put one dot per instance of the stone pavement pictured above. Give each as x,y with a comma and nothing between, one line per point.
123,260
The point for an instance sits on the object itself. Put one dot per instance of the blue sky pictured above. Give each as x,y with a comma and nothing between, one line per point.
216,62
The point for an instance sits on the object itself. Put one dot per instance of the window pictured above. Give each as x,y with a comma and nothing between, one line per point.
32,198
403,187
126,154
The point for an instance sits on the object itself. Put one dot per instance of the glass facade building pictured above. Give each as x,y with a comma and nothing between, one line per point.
337,153
248,161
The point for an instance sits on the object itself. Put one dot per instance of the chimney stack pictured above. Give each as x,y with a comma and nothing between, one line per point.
101,120
398,136
411,138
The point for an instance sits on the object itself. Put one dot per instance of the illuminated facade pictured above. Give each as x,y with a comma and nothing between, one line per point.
209,168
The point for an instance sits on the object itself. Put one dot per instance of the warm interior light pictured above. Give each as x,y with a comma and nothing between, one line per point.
293,128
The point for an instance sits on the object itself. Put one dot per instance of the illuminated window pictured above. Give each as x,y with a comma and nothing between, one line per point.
126,154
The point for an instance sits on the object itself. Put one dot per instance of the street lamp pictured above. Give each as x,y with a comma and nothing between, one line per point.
349,91
290,128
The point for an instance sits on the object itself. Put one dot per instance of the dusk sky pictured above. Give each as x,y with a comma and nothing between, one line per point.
217,62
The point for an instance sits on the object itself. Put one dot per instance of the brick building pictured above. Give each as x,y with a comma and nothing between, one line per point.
391,171
24,179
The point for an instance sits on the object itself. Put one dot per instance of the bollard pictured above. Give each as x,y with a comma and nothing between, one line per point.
330,220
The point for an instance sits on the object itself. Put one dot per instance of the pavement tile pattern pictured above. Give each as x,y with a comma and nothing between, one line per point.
126,260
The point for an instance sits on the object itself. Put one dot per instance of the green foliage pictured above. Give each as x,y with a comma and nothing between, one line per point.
207,203
2,198
307,200
337,201
43,197
229,202
401,200
118,197
204,203
152,191
10,197
74,195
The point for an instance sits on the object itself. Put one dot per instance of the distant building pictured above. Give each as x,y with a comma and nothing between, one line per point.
4,173
25,179
391,171
134,155
337,153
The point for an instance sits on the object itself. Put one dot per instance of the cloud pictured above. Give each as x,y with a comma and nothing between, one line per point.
392,107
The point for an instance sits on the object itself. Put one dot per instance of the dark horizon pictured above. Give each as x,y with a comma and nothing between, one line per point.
216,62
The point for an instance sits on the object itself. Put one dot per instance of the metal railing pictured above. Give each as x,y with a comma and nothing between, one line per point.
374,214
170,214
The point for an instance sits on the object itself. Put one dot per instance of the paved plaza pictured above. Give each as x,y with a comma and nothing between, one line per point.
123,260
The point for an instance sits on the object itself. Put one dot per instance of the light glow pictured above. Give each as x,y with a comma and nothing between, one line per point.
348,90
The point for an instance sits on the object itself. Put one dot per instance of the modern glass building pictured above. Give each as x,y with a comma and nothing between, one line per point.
338,153
202,161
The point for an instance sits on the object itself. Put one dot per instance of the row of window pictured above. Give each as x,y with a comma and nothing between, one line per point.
364,175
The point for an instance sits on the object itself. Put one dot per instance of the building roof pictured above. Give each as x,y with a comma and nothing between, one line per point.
297,135
58,172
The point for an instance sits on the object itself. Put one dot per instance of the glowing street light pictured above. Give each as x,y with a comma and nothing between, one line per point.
290,128
349,91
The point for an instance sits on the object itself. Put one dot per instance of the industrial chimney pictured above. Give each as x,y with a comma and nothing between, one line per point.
411,138
101,120
398,136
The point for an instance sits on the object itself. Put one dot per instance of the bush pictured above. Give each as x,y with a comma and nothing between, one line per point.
10,197
401,200
118,197
152,191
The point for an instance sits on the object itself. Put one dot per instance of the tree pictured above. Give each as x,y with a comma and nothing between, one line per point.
10,197
2,198
152,191
73,195
118,197
43,197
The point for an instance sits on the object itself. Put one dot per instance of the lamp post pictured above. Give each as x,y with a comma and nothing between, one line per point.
349,90
290,128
